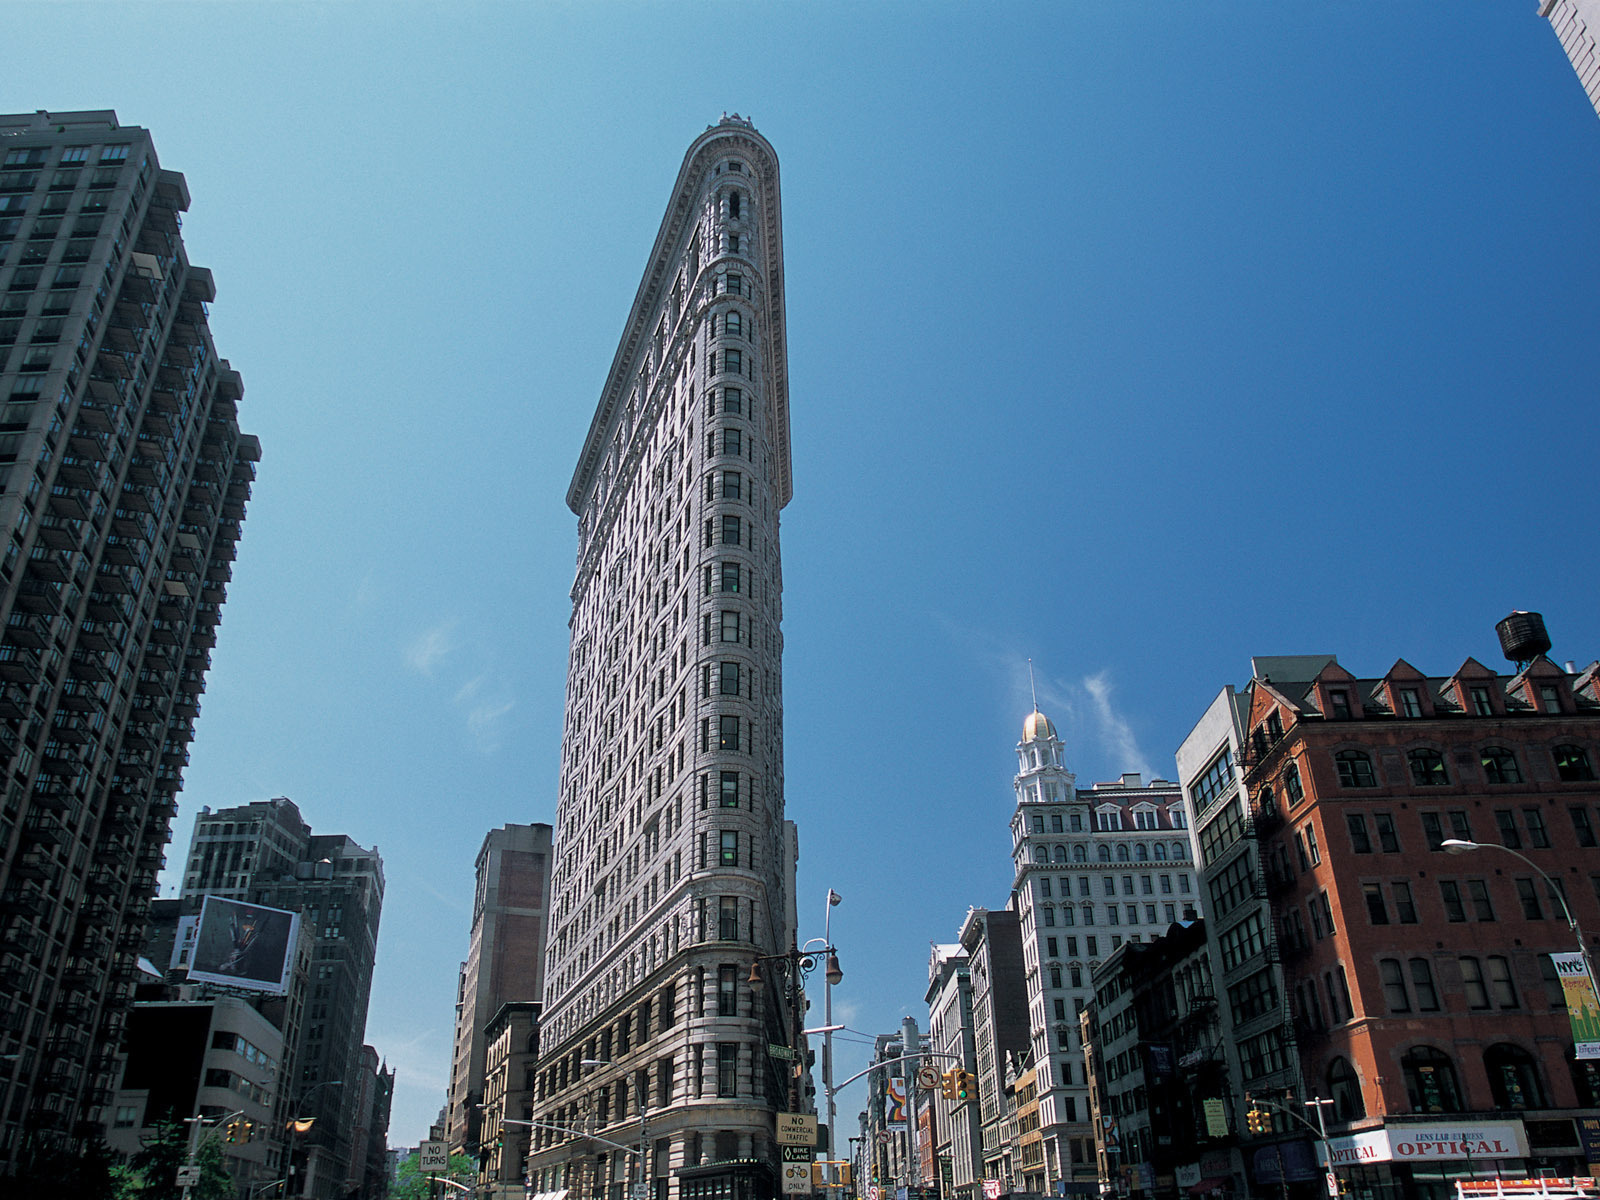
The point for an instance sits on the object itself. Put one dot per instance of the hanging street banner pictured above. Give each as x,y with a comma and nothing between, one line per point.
894,1104
1583,1009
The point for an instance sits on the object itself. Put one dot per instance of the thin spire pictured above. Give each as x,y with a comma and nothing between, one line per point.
1033,691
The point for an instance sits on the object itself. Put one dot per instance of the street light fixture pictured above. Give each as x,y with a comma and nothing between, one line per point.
1462,846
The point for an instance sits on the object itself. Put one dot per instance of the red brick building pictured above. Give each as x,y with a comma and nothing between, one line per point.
1423,998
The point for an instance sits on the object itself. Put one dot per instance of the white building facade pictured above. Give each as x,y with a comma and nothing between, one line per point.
673,863
1095,867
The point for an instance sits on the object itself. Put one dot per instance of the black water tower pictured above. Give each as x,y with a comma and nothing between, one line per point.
1523,637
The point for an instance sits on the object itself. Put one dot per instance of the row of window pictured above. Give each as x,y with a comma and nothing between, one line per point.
34,156
1500,766
1146,885
1113,914
1124,852
1382,836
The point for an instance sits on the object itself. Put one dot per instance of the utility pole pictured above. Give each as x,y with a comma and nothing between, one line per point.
911,1045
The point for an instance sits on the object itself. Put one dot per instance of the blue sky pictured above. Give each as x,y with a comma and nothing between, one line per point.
1133,338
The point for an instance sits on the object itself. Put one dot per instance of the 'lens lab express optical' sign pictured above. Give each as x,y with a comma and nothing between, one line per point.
1409,1143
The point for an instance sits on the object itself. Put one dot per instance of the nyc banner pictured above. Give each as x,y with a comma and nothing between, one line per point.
1583,1009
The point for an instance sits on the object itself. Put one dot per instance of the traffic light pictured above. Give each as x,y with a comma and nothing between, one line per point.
963,1084
233,1131
249,1131
947,1085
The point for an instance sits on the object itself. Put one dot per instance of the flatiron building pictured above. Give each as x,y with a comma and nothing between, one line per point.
673,863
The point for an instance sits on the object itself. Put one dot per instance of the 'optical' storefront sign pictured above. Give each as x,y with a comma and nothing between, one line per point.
1411,1143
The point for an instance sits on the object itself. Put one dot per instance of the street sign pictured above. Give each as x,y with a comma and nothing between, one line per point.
796,1153
797,1129
927,1078
188,1176
1333,1186
435,1158
641,1191
777,1051
796,1179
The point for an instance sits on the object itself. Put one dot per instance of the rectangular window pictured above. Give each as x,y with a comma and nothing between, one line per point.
728,918
1582,826
1528,897
1394,985
1339,701
1410,703
728,679
730,576
733,362
729,789
1049,915
733,401
1506,821
1481,704
1478,890
1422,985
1432,830
1388,839
730,625
734,283
730,529
732,441
1405,910
728,732
728,848
1360,842
732,485
1450,893
727,1068
1377,910
1472,981
1460,827
1311,845
727,991
1538,835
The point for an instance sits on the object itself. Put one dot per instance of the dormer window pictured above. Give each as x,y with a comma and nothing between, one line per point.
1339,703
1410,703
1550,697
1482,705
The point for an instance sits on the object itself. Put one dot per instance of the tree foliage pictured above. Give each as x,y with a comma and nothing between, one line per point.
411,1184
152,1173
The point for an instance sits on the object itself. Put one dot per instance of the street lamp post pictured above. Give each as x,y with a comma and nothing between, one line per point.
1462,846
300,1126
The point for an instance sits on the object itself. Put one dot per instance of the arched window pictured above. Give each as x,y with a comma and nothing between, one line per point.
1431,1085
1141,852
1161,852
1292,786
1585,1079
1345,1089
1122,851
1355,769
1102,853
1041,854
1080,853
1572,763
1178,852
1427,768
1060,853
1514,1077
1500,765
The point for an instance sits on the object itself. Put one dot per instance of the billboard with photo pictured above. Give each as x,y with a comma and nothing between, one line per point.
244,945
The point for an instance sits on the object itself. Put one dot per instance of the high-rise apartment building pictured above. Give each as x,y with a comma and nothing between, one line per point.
1095,867
674,864
123,480
505,961
264,853
1577,25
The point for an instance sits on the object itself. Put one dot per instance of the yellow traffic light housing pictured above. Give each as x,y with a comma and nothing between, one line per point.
963,1085
947,1085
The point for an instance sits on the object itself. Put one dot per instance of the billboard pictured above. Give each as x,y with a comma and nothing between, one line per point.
242,945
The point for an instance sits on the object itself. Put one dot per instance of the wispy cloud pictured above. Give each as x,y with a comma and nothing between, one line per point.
486,703
1114,728
431,648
